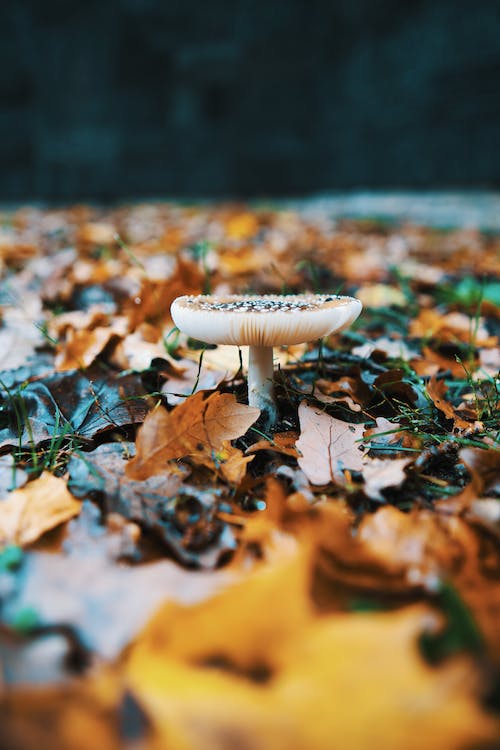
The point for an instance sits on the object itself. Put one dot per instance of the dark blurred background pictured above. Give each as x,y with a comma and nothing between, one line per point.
119,99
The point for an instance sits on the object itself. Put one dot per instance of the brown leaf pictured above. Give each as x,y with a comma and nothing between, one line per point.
437,391
29,512
198,428
392,550
327,446
387,439
356,393
281,442
484,465
152,302
450,328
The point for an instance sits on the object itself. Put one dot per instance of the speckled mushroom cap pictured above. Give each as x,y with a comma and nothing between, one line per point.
267,320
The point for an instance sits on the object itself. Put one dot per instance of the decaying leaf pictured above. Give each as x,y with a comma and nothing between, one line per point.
197,428
105,600
327,446
27,513
184,518
69,404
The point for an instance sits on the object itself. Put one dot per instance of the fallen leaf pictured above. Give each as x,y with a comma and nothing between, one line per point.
381,295
489,362
355,393
194,378
184,518
267,677
198,428
392,348
484,465
392,550
451,328
387,438
327,446
380,474
281,442
69,404
28,513
437,391
152,302
106,601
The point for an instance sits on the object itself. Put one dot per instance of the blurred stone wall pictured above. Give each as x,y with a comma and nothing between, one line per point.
108,99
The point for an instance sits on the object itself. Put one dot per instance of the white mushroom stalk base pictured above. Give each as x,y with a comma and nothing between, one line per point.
260,382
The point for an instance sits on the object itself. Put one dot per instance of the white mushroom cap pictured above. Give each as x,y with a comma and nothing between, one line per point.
263,320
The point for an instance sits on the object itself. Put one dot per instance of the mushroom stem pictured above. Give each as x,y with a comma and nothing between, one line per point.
260,382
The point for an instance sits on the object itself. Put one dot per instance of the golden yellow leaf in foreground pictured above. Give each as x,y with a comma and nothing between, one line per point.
198,427
256,667
42,505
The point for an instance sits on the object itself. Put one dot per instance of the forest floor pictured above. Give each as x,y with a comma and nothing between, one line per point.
175,574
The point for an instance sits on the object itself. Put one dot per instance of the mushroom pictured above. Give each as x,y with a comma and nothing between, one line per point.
261,322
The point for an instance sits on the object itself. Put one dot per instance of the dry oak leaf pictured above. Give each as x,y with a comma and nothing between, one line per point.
199,427
437,392
281,442
280,678
29,512
327,446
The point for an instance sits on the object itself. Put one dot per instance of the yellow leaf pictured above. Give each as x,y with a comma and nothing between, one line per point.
255,667
42,505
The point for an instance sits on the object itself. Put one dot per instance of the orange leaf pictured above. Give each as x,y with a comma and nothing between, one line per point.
197,427
42,505
437,391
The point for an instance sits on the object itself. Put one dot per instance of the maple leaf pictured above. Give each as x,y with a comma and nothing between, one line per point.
198,428
29,512
327,446
269,677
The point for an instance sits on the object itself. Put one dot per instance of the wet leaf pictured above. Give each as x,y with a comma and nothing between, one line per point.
69,404
185,519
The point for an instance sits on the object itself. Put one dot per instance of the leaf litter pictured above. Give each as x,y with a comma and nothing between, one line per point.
171,574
